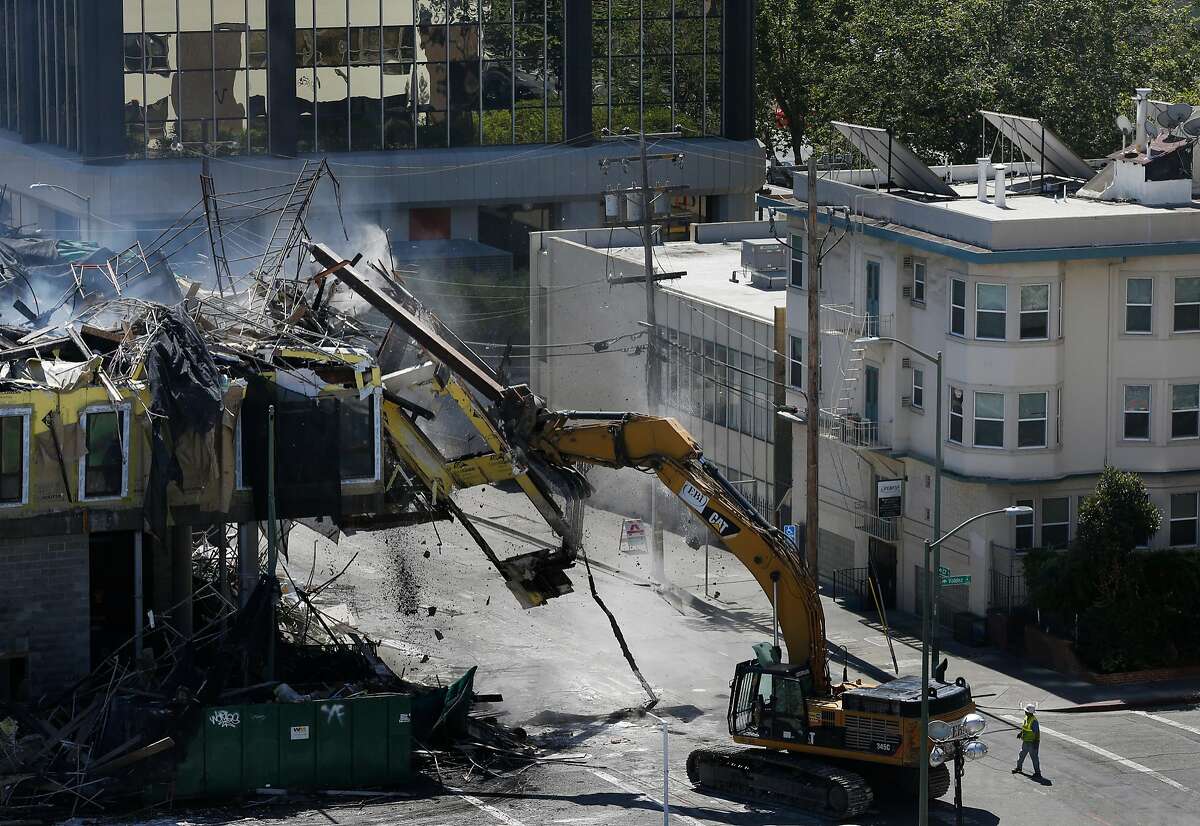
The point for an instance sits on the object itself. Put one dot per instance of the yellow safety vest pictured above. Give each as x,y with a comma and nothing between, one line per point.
1027,734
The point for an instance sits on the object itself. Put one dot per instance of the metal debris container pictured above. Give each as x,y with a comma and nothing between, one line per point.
351,743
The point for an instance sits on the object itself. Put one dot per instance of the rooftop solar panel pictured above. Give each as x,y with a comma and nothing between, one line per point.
886,153
1040,144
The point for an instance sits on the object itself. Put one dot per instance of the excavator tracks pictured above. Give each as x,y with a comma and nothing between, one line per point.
758,774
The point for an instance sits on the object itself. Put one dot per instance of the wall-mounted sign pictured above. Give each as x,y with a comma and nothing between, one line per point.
889,496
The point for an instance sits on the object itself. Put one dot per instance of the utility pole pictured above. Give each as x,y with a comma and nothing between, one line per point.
782,455
813,377
653,365
653,353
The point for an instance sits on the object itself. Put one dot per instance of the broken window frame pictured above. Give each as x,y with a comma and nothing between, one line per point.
375,396
25,413
124,413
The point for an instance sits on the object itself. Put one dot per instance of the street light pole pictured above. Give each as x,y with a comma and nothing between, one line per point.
936,358
1013,511
87,201
937,515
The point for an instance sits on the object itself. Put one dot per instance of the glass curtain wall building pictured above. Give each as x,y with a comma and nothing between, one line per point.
398,74
667,50
195,77
10,71
376,75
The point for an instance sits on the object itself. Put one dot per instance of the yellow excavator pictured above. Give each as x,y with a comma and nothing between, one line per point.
803,739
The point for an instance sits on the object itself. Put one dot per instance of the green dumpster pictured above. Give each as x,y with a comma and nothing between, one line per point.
359,742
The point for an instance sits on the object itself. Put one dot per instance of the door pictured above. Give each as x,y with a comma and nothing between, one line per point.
882,560
110,592
871,403
872,326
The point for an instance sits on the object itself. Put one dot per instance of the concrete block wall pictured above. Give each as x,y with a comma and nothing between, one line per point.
45,607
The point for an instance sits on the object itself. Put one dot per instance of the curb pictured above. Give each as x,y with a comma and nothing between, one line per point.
1127,705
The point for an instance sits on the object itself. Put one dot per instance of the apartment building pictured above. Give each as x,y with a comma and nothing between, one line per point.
1065,304
716,322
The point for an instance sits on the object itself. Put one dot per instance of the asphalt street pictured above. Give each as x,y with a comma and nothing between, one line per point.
564,680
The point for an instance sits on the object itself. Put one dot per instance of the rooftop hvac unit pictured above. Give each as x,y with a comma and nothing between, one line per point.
774,280
764,255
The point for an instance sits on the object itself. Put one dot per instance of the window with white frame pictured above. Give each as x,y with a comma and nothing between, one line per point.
958,307
796,374
956,415
1023,526
989,420
1139,305
14,455
1137,411
1056,522
358,423
1185,411
797,251
991,311
1031,420
1035,312
918,285
1187,305
918,389
1183,519
104,467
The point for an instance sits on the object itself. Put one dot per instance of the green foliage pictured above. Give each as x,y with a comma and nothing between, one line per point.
924,68
1126,610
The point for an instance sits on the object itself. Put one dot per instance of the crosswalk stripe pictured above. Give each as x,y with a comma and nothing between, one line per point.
634,790
1168,721
508,820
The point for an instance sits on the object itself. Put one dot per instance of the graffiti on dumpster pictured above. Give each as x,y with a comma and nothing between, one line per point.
222,718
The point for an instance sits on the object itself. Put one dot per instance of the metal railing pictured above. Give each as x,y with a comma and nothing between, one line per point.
885,528
851,584
1007,586
845,320
854,431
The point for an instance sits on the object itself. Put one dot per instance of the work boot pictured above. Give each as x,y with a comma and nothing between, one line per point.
1038,776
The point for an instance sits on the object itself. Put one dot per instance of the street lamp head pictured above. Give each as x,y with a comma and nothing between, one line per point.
940,730
975,750
937,757
39,185
974,724
1018,510
866,340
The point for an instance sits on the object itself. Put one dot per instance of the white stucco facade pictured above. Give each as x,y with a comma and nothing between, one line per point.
1058,360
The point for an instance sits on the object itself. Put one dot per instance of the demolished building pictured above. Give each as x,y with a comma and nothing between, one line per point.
162,427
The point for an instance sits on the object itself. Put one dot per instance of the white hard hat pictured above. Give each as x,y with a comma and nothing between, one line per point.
1030,708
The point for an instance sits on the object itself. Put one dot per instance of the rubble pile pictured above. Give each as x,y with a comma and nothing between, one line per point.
229,394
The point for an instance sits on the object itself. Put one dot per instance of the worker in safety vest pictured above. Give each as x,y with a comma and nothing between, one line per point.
1030,736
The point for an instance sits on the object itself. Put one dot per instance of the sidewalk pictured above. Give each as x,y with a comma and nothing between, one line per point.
1000,681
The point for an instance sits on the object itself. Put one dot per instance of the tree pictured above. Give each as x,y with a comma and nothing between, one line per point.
1117,603
923,68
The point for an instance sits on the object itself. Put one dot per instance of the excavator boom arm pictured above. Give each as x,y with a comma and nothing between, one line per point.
662,446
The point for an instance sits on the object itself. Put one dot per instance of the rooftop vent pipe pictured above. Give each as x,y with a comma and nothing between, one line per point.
982,176
1001,183
1142,99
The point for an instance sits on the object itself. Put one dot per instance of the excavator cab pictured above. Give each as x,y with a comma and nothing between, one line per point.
770,701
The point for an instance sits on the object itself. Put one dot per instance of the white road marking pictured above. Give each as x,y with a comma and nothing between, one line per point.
629,787
1168,721
1106,754
508,820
